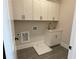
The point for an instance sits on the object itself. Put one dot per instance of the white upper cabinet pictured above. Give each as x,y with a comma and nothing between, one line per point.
35,10
22,9
40,9
53,10
18,9
28,6
45,10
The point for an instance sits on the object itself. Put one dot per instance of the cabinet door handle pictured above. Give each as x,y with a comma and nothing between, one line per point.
41,17
56,36
23,16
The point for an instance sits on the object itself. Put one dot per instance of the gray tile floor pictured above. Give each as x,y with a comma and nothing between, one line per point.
58,52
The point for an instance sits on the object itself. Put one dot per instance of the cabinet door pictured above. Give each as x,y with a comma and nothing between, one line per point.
36,9
57,37
40,9
28,6
53,38
50,11
53,10
18,9
44,11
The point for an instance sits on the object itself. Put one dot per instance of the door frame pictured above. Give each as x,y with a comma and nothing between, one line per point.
8,38
72,51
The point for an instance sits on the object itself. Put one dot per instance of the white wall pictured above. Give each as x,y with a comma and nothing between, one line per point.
66,18
23,26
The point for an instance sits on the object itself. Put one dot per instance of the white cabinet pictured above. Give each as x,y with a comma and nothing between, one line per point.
18,9
35,10
53,10
45,10
28,9
53,38
22,9
40,9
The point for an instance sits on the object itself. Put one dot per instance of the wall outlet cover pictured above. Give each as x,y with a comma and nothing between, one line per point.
35,27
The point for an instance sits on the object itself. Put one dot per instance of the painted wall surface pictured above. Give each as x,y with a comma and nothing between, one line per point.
66,18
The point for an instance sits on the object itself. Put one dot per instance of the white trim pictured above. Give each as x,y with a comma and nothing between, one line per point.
9,43
30,44
72,52
63,44
24,46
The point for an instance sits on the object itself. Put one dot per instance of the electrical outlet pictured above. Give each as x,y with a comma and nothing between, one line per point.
18,34
35,28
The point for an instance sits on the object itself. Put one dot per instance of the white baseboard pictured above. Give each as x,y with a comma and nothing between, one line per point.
24,46
64,45
27,45
30,44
